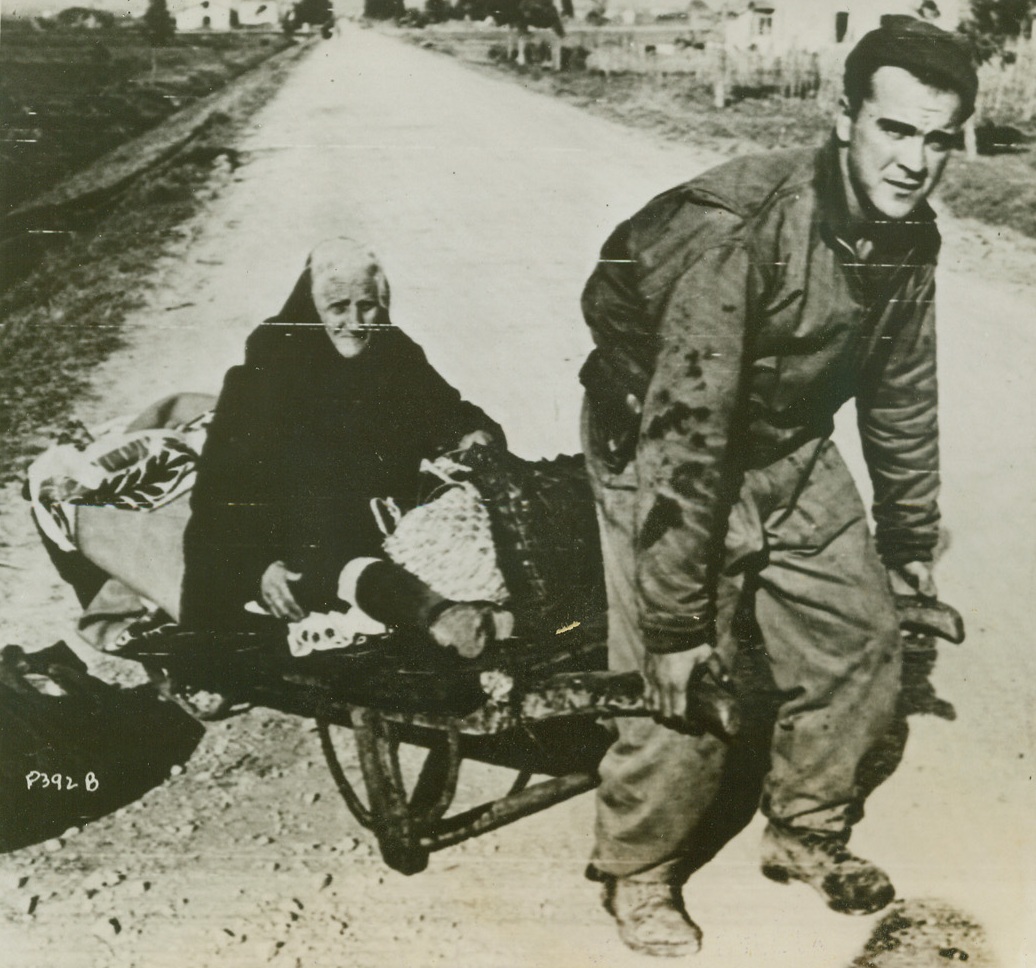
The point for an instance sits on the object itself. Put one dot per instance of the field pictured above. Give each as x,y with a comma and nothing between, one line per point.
64,318
67,96
626,76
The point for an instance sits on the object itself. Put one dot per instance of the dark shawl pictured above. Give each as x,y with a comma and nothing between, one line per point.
302,440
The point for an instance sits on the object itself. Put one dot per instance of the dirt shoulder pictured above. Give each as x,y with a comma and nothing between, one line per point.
116,219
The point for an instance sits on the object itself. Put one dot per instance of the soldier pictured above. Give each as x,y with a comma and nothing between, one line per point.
732,317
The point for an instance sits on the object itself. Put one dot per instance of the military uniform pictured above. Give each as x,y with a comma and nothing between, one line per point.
732,317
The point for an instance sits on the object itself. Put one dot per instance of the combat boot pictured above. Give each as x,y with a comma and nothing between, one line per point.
651,916
846,882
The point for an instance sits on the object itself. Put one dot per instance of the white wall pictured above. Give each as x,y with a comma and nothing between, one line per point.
811,23
194,18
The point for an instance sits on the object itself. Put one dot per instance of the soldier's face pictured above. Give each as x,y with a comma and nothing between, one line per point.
898,142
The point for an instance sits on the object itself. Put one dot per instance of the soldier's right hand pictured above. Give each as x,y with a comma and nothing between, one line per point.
667,676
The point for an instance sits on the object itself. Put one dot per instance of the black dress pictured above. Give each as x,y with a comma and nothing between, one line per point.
301,441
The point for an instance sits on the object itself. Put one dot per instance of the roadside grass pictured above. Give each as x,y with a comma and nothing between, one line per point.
997,189
68,96
682,111
64,319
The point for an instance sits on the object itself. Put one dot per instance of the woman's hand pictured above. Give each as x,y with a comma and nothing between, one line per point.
277,595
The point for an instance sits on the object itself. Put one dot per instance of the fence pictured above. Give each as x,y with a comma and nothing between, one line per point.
727,70
1007,92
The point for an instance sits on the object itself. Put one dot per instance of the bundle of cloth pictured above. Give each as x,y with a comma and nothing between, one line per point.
111,505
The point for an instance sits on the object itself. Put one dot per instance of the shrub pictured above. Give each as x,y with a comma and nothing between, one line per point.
413,18
437,11
85,16
474,10
383,9
994,24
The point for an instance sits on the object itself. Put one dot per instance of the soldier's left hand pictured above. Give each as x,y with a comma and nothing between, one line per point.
483,437
913,578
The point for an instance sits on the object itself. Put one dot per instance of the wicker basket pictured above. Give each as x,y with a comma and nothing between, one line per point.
448,543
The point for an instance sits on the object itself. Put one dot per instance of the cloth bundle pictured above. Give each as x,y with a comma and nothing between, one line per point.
76,748
111,505
119,465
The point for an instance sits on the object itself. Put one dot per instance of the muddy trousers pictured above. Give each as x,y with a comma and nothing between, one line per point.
799,555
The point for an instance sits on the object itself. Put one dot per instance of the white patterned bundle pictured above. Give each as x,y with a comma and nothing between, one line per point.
323,631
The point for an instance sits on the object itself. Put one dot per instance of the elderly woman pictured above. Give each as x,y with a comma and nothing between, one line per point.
332,408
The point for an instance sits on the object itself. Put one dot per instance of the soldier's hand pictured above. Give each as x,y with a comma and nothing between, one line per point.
666,678
483,437
276,593
913,578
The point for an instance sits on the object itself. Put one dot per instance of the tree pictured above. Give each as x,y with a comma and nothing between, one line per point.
1003,18
159,22
993,23
438,11
383,9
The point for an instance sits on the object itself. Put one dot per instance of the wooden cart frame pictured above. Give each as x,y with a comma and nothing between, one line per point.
534,707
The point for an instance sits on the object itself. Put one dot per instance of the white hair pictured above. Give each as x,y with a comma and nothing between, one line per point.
342,253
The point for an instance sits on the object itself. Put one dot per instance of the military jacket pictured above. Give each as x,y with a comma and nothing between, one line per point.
732,318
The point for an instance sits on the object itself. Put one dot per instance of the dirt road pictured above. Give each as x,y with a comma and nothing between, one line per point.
488,205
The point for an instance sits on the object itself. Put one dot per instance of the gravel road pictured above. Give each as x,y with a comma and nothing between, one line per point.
488,204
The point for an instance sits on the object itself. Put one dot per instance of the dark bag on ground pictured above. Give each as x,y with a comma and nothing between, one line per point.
74,748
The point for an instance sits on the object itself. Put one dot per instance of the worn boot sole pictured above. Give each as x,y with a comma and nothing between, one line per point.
660,951
656,949
784,875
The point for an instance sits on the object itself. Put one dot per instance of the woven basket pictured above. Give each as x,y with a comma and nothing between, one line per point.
448,544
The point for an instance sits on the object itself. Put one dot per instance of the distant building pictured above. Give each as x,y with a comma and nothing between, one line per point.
702,17
749,23
203,15
810,24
